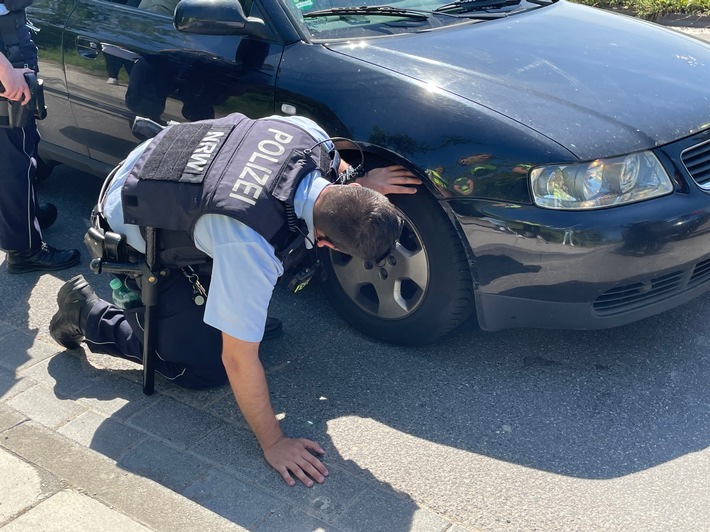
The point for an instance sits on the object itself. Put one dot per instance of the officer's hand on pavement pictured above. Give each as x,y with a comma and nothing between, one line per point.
16,89
292,455
395,179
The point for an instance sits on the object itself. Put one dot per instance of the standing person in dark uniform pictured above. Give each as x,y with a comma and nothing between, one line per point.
21,217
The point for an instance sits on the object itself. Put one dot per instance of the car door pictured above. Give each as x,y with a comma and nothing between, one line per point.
59,128
122,61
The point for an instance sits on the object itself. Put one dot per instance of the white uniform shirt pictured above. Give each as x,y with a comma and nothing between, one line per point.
245,267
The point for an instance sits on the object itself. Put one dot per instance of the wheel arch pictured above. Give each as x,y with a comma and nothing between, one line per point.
376,156
459,257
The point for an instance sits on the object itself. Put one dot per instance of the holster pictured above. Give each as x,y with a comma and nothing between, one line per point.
102,243
14,114
106,245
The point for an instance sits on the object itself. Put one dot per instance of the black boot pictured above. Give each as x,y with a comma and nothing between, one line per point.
46,215
75,299
45,258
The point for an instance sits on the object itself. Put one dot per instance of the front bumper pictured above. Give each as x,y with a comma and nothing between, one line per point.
586,270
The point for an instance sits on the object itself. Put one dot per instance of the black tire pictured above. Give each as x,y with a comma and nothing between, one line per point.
421,292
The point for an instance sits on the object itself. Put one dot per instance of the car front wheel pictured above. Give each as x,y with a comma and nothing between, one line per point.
421,291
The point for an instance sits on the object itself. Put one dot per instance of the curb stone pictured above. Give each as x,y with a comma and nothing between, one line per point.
124,497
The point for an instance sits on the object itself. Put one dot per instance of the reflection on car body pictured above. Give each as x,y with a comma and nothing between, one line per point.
563,149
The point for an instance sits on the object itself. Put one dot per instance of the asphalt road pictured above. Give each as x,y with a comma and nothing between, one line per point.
517,430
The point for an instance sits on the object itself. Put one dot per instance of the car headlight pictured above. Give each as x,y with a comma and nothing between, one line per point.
600,183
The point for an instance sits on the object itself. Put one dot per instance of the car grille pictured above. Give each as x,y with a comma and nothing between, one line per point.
633,296
697,162
701,274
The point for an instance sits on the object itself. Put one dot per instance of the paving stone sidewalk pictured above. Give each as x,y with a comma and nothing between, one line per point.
81,448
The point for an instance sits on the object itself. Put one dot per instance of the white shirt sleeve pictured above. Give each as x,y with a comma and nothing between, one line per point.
244,273
113,206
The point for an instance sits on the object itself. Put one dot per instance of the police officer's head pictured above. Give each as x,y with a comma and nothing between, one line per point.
357,221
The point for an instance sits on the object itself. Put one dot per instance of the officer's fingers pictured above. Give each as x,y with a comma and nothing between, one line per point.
399,171
18,94
316,468
406,180
395,189
388,171
392,172
393,181
298,470
283,471
10,91
312,467
396,168
25,96
312,446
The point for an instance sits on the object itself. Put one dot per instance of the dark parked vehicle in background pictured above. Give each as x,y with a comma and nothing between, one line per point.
565,150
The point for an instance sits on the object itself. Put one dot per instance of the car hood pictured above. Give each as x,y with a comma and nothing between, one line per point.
597,83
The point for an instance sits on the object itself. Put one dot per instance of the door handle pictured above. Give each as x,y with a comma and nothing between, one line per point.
87,48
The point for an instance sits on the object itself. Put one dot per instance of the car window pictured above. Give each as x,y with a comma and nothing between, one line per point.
129,3
161,7
346,19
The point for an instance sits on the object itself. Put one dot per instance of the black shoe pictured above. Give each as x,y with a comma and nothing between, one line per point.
75,299
44,259
46,215
273,328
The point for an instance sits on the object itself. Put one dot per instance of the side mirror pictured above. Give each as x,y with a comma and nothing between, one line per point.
217,17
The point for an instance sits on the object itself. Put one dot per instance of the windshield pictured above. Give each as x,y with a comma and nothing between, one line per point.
348,19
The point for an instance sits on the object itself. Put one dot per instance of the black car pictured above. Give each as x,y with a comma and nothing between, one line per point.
565,150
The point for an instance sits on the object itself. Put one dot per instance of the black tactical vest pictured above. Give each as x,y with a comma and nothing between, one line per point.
235,166
10,25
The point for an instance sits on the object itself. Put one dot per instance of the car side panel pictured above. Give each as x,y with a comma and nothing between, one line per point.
59,127
161,74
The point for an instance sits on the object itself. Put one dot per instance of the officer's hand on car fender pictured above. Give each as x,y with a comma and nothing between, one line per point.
292,455
393,179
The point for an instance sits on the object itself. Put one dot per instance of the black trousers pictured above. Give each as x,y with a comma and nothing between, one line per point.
19,229
189,352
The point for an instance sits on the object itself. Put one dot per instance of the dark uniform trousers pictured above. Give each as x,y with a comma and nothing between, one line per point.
189,352
19,228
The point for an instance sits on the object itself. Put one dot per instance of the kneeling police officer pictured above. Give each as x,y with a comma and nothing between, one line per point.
253,196
21,216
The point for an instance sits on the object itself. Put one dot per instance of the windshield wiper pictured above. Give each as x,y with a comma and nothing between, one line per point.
387,11
462,6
